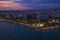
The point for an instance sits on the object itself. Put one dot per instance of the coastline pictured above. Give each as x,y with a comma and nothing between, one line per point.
30,26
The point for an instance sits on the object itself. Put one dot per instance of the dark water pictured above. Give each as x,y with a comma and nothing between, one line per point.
9,31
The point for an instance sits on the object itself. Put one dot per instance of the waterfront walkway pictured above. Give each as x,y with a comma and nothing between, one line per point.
2,20
28,25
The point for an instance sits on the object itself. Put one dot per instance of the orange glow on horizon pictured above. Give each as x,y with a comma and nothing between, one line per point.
13,6
6,5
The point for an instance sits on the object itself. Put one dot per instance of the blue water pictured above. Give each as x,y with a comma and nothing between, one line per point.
10,31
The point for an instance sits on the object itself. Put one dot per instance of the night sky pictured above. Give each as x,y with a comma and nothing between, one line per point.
28,4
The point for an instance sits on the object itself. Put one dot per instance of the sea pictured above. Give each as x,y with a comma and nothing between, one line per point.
13,31
10,31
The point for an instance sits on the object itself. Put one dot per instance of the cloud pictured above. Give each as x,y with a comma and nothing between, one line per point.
28,4
8,5
41,6
46,6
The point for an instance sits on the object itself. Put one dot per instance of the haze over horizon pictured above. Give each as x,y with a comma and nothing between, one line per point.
28,4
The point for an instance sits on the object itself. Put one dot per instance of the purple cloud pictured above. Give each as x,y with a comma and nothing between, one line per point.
30,4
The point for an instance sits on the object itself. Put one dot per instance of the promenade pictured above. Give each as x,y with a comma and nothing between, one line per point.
36,28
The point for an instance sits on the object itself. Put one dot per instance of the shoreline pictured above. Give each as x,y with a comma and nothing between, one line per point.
30,26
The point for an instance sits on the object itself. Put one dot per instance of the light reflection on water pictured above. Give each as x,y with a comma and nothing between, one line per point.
9,31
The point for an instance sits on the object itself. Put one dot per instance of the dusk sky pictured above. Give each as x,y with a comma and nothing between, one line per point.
28,4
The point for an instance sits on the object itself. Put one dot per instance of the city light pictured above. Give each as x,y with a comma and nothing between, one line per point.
33,24
53,20
33,20
41,25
